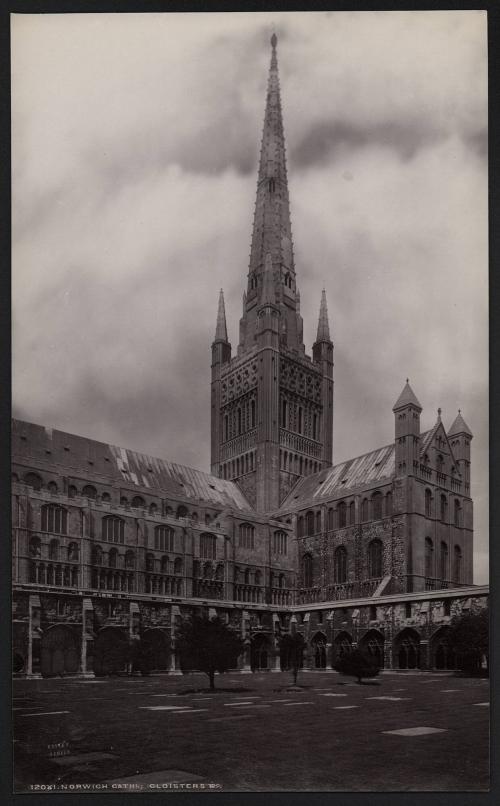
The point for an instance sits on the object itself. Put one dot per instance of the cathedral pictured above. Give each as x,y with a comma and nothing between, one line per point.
111,546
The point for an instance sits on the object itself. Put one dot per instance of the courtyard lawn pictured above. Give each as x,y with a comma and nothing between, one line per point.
255,732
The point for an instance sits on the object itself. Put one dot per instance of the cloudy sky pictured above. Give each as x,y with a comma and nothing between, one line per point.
135,148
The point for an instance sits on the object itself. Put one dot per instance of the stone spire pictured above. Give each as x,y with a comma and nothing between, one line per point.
459,426
268,295
272,231
221,329
406,398
323,326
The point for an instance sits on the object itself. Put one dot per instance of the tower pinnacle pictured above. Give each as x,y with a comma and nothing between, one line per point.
323,326
221,329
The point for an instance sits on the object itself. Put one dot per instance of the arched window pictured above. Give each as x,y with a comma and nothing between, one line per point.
138,502
457,519
33,480
440,464
239,420
340,565
300,526
182,512
246,536
105,497
352,513
129,559
164,538
457,564
208,570
247,576
331,524
284,413
280,542
444,561
73,552
207,546
388,504
377,506
219,572
375,559
52,487
124,501
299,427
252,412
444,508
35,547
96,555
153,508
318,522
226,428
164,564
429,558
428,504
342,512
281,581
113,529
54,550
177,565
150,562
113,558
310,523
89,491
307,571
72,491
364,509
54,519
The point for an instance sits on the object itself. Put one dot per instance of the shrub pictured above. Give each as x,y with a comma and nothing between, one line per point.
357,664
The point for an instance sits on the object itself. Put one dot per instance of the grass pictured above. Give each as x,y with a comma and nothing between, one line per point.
320,745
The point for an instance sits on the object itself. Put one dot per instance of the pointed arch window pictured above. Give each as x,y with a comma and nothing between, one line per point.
150,562
444,561
388,504
331,522
54,550
352,513
35,547
207,546
97,555
342,514
377,506
113,558
310,523
300,526
113,529
429,558
307,571
54,519
428,503
444,508
340,565
364,509
177,566
252,412
129,559
164,538
247,533
457,515
457,564
318,522
280,542
375,559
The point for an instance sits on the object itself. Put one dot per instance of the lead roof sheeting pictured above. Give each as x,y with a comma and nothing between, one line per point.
74,454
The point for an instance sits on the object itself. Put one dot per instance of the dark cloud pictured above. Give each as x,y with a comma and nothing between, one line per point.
326,140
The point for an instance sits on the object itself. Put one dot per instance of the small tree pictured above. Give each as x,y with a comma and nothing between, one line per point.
292,652
357,664
469,640
208,645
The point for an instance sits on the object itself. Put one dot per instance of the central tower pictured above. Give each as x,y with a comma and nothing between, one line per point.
272,405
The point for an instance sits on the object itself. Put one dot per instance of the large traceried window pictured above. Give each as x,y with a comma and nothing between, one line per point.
340,565
375,559
307,571
164,538
247,532
207,546
280,542
54,519
113,529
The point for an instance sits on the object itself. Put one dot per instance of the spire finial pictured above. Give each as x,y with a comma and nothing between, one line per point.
274,41
323,326
407,380
439,414
221,329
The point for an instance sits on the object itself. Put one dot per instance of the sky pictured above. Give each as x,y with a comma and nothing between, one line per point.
135,141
